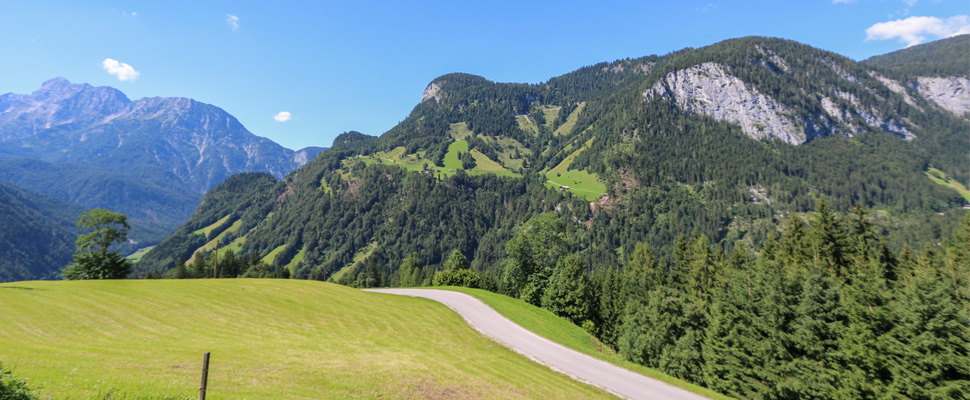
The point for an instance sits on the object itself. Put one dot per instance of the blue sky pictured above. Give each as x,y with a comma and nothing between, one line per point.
362,65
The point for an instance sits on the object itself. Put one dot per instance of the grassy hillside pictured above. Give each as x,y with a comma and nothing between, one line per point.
580,182
268,338
941,178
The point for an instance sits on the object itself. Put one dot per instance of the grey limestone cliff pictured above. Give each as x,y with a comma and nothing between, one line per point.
711,90
952,94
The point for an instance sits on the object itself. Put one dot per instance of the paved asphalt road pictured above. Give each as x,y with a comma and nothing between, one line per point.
582,367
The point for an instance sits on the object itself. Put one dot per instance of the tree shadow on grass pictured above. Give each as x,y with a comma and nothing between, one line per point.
18,287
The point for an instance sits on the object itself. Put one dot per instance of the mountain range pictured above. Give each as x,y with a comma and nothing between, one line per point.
726,140
151,159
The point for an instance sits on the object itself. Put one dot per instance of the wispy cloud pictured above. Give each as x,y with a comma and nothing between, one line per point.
129,14
283,116
123,71
843,1
915,30
233,21
706,8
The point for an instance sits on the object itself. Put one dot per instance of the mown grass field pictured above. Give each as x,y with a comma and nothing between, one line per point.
297,259
570,123
580,182
452,160
460,131
208,230
361,255
214,242
550,326
526,124
136,256
550,113
269,339
942,178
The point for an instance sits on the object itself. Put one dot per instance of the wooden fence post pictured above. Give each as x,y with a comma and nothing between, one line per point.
205,375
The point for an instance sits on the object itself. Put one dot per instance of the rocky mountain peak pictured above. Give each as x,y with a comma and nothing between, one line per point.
60,89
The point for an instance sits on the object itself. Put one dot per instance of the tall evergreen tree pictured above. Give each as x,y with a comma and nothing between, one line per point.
568,294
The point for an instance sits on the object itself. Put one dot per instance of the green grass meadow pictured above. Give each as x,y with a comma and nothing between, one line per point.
135,339
451,160
942,178
136,256
207,230
580,182
571,120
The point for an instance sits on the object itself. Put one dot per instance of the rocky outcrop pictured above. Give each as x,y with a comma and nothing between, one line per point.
709,89
952,94
774,58
58,104
855,115
897,88
433,91
841,72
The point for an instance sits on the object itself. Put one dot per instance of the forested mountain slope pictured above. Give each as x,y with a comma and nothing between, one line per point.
726,140
942,58
38,234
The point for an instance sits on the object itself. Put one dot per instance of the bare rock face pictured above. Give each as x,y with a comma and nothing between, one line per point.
953,93
897,88
709,89
857,114
433,91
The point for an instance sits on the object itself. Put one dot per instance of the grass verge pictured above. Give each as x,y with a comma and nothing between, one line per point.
550,326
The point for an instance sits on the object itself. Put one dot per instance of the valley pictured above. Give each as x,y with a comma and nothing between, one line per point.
754,218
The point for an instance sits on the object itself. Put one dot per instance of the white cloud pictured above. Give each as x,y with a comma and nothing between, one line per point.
123,71
233,21
283,116
842,1
915,30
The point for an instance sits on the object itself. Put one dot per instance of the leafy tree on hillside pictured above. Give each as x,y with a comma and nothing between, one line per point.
532,254
457,272
93,260
467,160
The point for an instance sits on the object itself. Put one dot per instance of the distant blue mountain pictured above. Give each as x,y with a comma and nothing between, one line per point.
151,159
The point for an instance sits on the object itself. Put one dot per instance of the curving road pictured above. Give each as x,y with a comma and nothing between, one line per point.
579,366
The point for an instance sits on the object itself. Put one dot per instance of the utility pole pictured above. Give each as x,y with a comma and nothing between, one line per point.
215,264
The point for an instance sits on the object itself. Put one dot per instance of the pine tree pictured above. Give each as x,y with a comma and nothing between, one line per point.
730,362
816,329
931,336
568,292
828,242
